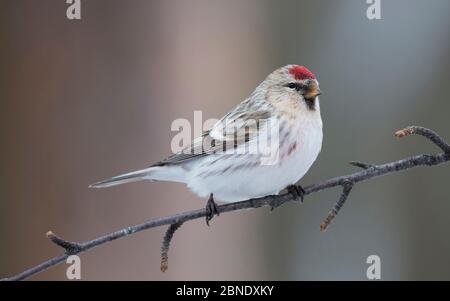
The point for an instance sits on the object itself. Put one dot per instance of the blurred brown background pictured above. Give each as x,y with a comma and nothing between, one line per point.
84,100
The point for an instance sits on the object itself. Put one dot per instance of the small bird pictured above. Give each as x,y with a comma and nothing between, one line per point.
227,162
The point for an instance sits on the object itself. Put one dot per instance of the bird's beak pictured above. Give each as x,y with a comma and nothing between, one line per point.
313,90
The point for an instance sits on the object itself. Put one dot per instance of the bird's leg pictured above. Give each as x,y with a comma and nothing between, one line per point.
297,192
211,209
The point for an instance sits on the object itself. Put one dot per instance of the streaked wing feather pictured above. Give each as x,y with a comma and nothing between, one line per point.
218,139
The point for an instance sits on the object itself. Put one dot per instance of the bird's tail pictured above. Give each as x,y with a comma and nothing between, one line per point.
159,173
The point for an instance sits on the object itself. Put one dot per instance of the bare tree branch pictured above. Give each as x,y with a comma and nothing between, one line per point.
347,182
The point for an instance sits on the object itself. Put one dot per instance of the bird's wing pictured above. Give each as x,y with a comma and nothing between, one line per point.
235,129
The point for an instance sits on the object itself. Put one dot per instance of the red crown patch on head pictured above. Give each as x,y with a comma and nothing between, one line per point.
301,73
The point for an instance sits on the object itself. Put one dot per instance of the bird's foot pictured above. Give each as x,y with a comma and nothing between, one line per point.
297,192
211,209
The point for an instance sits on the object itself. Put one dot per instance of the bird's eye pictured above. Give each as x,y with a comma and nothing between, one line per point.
292,86
295,86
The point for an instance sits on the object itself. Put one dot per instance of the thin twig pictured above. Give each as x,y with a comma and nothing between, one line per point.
361,164
166,245
346,189
427,133
354,178
70,247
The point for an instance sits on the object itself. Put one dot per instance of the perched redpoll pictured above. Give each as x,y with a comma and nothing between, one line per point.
265,144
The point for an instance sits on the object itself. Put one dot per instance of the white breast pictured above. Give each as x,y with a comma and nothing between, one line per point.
245,178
